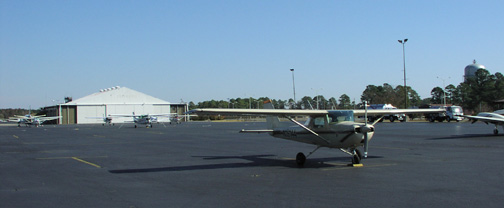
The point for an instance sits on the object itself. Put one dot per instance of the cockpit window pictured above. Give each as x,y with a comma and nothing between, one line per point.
340,116
319,122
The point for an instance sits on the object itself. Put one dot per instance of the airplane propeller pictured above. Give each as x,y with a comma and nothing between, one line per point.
366,129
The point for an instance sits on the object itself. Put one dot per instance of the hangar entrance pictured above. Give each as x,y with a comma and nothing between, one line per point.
69,114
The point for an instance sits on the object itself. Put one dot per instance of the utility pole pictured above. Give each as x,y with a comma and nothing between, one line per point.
404,65
293,87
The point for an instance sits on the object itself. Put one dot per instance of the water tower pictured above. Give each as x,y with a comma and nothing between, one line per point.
470,70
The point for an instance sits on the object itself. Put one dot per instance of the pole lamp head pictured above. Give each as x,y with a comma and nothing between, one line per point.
291,69
403,41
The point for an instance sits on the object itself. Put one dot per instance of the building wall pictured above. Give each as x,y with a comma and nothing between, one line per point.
93,114
90,114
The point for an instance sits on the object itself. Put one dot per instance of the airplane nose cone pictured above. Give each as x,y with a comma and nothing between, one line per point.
365,129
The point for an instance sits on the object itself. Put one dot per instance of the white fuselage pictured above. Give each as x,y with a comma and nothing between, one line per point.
338,135
144,119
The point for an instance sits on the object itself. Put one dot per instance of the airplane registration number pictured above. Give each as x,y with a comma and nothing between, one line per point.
289,133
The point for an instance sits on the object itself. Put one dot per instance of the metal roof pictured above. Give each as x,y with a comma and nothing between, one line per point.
117,95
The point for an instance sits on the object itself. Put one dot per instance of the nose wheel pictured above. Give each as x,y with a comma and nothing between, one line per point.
300,159
357,156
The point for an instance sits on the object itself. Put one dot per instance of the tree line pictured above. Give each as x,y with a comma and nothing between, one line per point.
317,102
476,94
11,112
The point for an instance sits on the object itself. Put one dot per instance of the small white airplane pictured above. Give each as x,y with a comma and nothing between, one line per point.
146,119
496,118
324,128
177,119
29,120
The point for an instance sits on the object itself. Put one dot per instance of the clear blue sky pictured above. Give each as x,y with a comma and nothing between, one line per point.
202,50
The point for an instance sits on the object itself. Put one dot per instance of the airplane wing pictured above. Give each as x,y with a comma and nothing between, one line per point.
163,114
49,118
361,112
282,112
131,115
264,112
123,115
493,120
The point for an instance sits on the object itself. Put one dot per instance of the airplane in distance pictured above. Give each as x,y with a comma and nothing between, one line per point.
324,128
29,120
496,118
147,119
177,119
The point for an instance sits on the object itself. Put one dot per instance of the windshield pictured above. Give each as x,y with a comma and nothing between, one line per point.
339,116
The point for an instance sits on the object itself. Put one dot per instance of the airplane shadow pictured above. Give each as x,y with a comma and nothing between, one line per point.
252,161
466,136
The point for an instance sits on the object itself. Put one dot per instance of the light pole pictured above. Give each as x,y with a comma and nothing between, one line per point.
444,92
293,87
317,95
404,65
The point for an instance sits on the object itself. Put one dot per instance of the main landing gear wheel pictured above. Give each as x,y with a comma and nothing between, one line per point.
300,159
356,157
496,131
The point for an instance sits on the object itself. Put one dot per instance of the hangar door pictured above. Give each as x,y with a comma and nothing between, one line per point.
69,114
88,114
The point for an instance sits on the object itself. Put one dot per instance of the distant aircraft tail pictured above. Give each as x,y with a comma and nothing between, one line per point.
271,121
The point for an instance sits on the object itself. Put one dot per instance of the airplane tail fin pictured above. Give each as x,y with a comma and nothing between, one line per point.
271,121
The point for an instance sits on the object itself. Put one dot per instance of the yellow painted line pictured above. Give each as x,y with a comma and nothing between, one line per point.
83,161
59,158
52,158
15,136
356,166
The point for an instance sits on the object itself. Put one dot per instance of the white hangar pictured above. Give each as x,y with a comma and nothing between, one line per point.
115,100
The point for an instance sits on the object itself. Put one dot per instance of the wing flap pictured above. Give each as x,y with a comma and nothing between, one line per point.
397,111
486,119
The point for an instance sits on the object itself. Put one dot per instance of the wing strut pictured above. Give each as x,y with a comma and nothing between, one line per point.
308,129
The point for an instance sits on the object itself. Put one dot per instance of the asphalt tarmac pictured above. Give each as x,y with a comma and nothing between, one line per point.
209,164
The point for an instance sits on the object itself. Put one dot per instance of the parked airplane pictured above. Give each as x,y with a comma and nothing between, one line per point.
177,119
324,128
32,120
147,119
496,118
